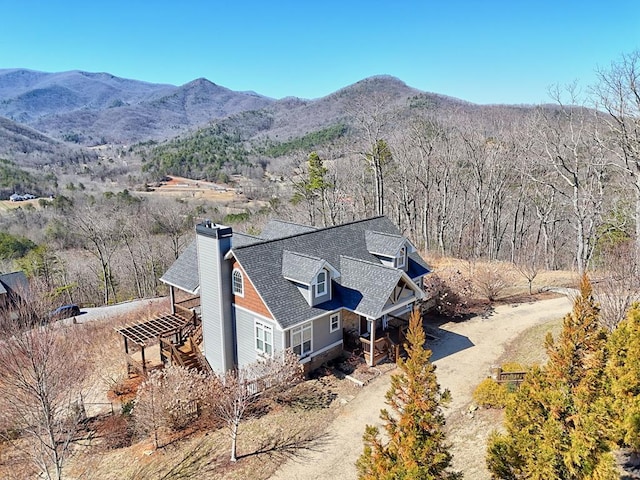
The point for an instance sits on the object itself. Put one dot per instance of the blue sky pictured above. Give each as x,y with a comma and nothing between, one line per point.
481,51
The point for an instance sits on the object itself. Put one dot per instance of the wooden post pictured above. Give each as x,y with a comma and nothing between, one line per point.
372,360
172,298
144,362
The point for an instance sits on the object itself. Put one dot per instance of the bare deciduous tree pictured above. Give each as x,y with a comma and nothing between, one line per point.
42,370
168,399
618,94
237,391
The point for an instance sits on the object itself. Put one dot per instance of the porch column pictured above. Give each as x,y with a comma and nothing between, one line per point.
372,360
172,298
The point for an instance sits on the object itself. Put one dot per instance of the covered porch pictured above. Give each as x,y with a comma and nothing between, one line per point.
377,339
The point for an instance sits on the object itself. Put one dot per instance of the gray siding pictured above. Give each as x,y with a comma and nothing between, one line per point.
322,337
215,297
246,337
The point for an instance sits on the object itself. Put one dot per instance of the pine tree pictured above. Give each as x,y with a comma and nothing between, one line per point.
557,423
416,447
623,369
313,186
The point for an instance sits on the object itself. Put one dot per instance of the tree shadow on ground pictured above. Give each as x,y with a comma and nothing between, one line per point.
293,443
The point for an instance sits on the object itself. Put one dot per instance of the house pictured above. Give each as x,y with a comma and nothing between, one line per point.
13,288
297,287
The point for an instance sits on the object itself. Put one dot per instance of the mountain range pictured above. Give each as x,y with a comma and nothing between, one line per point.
97,108
51,118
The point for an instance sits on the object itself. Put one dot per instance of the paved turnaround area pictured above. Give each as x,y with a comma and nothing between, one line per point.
463,355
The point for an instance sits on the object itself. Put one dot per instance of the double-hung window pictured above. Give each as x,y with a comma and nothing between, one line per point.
334,322
301,339
264,338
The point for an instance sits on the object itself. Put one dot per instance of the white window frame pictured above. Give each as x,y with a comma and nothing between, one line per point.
336,317
301,330
236,272
324,284
263,334
401,260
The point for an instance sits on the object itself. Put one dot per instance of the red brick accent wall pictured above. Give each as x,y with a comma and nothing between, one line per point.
251,300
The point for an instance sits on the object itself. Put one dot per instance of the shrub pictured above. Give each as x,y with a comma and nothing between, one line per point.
449,292
490,281
491,394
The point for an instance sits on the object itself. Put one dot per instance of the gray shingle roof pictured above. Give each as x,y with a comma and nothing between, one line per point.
276,229
300,268
365,287
386,244
14,281
183,273
242,239
263,264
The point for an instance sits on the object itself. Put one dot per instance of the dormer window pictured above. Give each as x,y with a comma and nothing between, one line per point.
401,259
237,284
321,284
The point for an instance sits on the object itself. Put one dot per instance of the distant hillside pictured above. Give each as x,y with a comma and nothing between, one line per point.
290,127
29,148
97,108
199,129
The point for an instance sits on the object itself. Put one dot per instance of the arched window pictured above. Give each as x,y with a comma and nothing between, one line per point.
401,259
236,283
321,284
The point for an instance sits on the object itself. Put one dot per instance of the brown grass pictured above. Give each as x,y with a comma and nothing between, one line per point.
518,289
528,347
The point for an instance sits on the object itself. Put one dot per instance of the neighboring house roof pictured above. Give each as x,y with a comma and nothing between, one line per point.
384,244
276,229
263,264
15,281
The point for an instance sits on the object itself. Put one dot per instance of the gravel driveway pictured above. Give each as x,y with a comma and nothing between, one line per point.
463,355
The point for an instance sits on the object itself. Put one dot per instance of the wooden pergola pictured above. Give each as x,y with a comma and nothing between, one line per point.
146,333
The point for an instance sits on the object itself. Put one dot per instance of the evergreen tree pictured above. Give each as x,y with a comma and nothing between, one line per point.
416,447
557,423
623,370
313,187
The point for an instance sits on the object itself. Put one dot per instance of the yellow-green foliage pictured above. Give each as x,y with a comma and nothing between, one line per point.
557,423
513,367
491,394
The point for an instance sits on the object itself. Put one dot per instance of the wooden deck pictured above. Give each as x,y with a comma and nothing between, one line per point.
162,340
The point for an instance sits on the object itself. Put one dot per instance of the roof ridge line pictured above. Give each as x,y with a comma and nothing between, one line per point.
372,263
303,254
386,234
311,232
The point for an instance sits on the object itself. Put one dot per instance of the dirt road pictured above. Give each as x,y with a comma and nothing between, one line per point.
463,355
